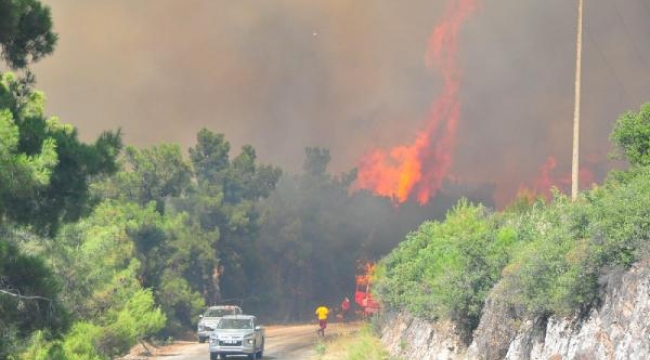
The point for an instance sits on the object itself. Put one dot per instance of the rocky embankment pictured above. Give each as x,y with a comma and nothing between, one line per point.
619,328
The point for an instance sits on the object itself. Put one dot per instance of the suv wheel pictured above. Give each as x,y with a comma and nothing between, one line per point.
253,355
260,354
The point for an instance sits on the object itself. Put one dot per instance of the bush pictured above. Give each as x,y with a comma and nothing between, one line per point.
366,347
445,269
121,329
81,343
42,349
547,258
631,135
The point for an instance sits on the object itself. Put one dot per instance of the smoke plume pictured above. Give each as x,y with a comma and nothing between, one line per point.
283,75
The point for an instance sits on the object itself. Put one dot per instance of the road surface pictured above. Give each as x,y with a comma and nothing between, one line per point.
295,342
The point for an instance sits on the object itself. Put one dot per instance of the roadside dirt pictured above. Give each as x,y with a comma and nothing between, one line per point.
294,342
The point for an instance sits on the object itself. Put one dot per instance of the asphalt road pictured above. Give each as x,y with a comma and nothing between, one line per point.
296,342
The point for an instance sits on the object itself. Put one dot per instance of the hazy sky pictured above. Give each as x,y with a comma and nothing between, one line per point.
282,75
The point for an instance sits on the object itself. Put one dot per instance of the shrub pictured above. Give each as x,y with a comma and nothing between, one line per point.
547,257
445,269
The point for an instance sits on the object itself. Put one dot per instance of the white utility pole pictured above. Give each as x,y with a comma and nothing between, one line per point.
575,165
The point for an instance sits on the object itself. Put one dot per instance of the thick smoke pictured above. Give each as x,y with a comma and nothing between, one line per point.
350,76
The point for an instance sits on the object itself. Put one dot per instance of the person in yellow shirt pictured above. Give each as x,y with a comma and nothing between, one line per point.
321,312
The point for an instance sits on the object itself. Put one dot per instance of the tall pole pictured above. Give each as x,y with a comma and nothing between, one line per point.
575,165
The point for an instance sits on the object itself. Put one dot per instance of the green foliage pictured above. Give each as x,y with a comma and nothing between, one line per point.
359,345
24,174
123,248
102,271
157,174
185,231
445,269
620,222
44,174
21,173
40,348
224,207
137,319
573,244
179,301
631,135
540,258
28,299
546,259
210,156
25,31
52,167
320,348
82,343
366,346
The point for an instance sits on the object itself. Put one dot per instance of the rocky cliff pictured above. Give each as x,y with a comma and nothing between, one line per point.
618,328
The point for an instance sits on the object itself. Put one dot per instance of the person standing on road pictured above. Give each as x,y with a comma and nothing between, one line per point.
321,313
345,309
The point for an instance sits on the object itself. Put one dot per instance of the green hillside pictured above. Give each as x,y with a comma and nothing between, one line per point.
541,257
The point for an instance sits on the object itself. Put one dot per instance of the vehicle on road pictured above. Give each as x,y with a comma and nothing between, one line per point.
211,317
237,335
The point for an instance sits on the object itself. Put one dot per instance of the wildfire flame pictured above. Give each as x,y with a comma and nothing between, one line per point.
365,271
419,168
546,181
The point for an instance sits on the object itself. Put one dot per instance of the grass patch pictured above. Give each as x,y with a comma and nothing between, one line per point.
359,345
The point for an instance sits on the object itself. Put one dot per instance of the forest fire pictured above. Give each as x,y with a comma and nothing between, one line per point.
419,169
546,180
362,294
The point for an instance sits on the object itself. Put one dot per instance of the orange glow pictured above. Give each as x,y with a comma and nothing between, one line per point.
418,169
363,294
546,181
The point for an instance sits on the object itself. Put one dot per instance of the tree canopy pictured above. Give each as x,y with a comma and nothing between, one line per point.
25,32
48,168
631,135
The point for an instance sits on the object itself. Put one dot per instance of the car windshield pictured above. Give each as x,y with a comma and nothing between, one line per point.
235,324
219,312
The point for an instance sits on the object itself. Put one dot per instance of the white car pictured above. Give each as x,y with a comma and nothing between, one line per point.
237,335
211,317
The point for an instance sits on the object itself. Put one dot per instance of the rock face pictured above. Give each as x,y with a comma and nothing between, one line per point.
617,329
413,338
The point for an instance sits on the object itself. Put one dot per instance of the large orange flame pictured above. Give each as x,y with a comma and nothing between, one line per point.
420,167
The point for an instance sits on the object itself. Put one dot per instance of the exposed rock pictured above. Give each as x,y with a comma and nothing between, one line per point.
617,329
414,338
498,328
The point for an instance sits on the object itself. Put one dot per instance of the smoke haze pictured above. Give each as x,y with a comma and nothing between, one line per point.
350,76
